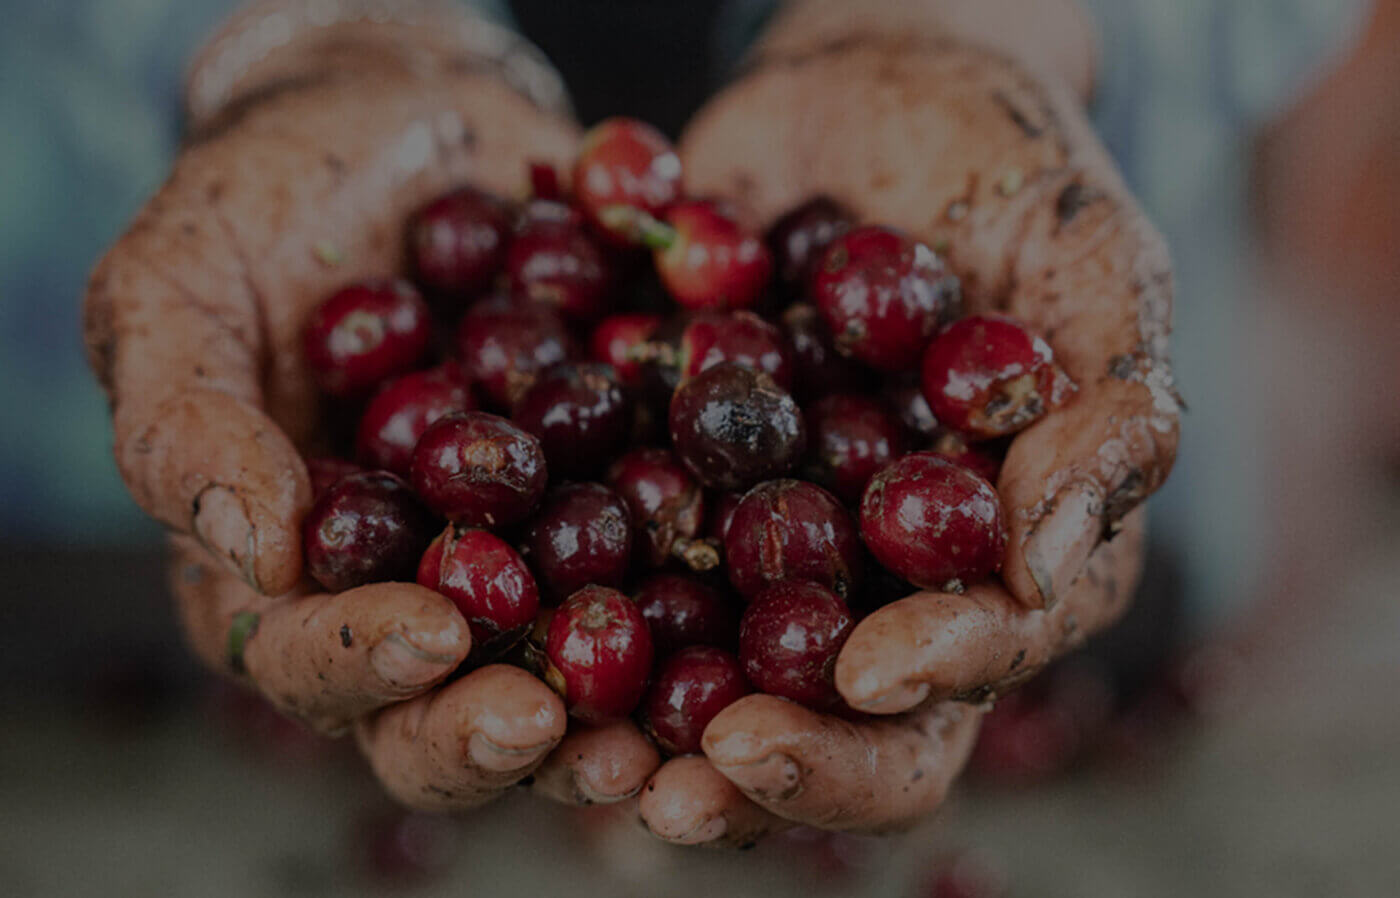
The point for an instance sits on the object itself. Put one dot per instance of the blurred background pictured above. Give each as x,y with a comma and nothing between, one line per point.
1237,735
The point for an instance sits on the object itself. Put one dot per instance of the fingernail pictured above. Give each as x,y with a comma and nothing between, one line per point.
776,777
867,696
490,755
1062,541
403,666
710,830
222,525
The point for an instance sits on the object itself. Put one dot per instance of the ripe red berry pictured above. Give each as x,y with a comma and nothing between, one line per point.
908,403
850,439
367,528
600,654
739,337
683,611
799,237
457,243
818,369
479,470
789,639
403,409
733,427
882,296
933,522
365,334
505,345
987,376
707,261
489,584
722,515
984,458
667,508
626,173
582,535
790,530
553,260
691,687
325,470
616,340
580,416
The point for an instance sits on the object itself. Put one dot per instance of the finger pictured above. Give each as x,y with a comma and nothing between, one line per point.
1002,175
193,318
464,744
326,659
837,774
688,802
597,765
978,644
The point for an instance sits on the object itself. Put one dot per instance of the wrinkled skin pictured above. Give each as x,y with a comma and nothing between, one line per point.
303,161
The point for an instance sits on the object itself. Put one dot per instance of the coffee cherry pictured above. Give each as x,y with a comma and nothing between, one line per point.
707,261
733,427
683,611
667,508
799,237
984,458
789,639
600,654
616,341
580,416
722,515
326,470
365,334
489,584
933,522
987,376
625,174
850,438
553,260
479,470
818,369
582,535
909,405
691,687
367,528
504,346
739,337
791,530
402,409
457,243
882,296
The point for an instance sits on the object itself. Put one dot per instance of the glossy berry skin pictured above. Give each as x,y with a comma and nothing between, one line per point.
367,528
683,611
579,414
616,341
882,296
366,334
402,410
504,346
554,260
457,243
600,654
792,530
709,261
691,687
933,522
789,639
479,470
626,172
739,337
666,504
722,515
325,470
488,582
986,376
818,369
733,427
850,438
799,237
581,535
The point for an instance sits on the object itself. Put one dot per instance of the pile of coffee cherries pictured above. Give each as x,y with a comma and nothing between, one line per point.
661,460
